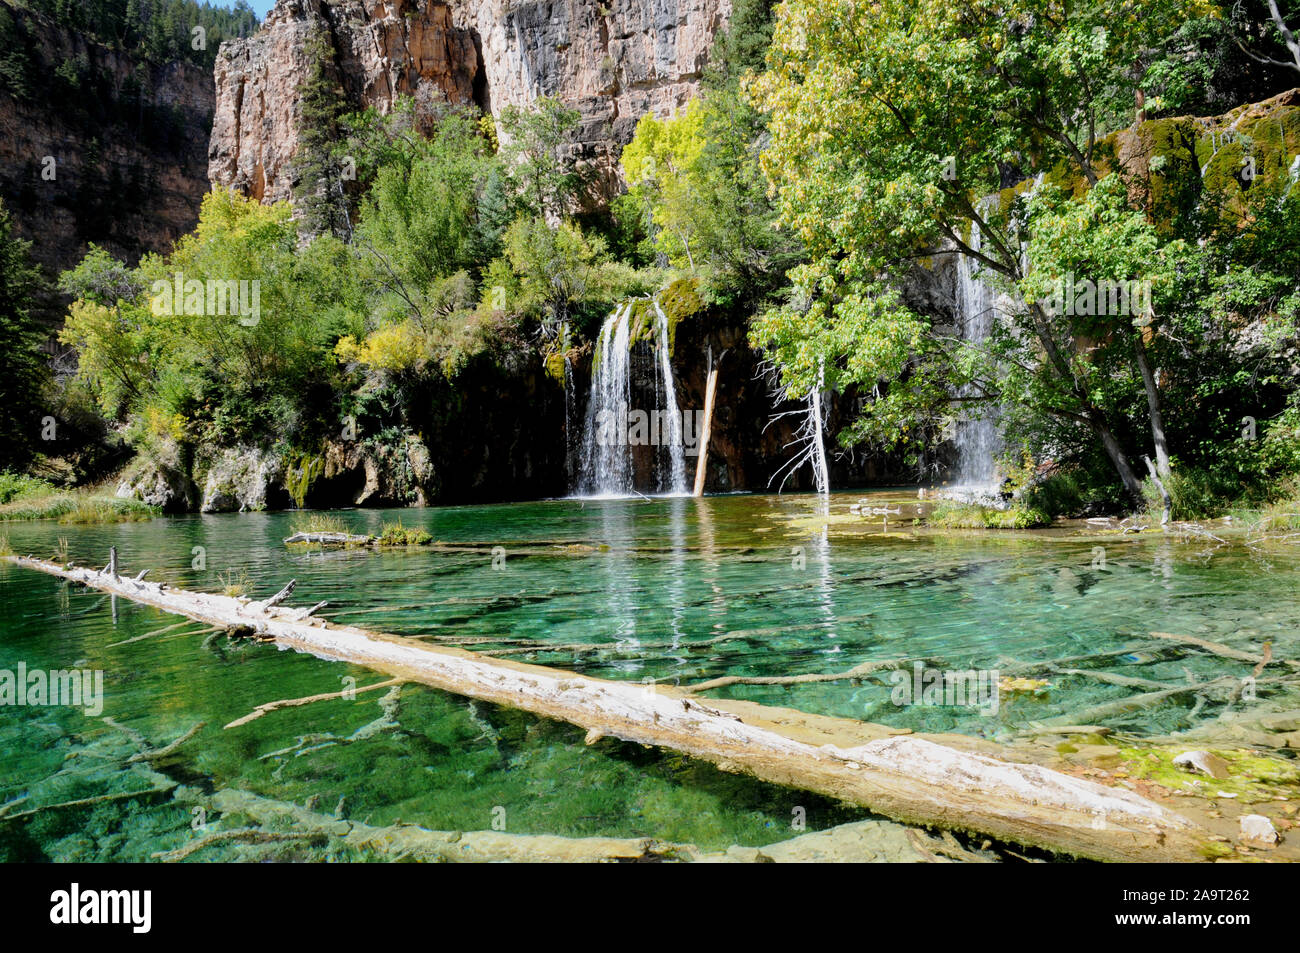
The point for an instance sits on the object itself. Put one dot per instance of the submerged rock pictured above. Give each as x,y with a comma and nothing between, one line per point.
1281,721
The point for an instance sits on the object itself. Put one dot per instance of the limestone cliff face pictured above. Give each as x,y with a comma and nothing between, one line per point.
614,61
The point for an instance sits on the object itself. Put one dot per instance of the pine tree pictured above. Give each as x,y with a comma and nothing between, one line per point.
319,192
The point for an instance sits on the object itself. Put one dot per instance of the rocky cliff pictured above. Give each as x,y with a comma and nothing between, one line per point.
96,145
614,61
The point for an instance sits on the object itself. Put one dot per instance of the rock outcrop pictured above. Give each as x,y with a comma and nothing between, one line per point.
353,473
243,479
614,61
97,145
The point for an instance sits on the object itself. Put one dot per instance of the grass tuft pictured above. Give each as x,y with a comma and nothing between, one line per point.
319,523
395,534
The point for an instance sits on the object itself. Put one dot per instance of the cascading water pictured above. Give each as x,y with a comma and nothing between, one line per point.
607,467
976,436
605,463
672,429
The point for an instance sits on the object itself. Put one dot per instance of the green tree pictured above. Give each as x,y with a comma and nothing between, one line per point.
890,120
536,152
320,193
23,368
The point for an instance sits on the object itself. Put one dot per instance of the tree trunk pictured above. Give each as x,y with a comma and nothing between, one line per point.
1153,408
701,465
1116,454
1094,416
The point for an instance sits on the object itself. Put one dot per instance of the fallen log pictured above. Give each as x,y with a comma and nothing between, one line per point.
907,778
331,539
860,841
858,671
1226,651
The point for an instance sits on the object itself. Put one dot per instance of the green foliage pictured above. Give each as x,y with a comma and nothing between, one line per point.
222,377
953,515
319,173
890,122
20,486
534,152
425,217
395,534
695,178
318,523
23,372
160,30
80,506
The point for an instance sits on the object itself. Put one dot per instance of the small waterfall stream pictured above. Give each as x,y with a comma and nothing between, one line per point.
672,419
976,436
607,466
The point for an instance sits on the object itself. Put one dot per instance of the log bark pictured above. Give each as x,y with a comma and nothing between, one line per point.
1153,407
907,778
701,465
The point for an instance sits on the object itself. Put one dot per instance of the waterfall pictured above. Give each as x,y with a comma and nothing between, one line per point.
607,466
672,416
976,437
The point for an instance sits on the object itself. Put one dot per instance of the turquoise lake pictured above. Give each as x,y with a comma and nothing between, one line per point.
674,590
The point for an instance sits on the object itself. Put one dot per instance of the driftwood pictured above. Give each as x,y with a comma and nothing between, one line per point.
858,671
858,841
148,635
268,707
701,464
331,539
1226,651
1124,681
908,778
242,835
535,647
1124,706
88,801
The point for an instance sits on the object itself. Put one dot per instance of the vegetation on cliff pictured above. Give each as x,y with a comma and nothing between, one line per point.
838,157
890,123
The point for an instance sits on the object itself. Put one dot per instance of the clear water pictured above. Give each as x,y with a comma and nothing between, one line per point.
647,579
